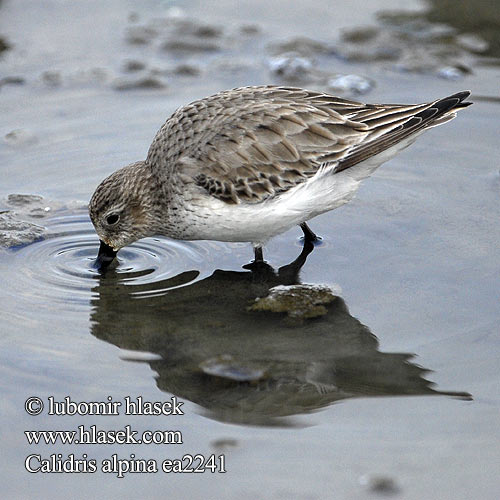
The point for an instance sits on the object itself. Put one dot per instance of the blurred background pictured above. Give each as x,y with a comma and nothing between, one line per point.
338,406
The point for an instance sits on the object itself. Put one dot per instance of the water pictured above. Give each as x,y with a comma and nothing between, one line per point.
391,389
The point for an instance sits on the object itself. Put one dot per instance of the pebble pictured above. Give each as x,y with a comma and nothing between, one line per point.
354,84
291,66
20,137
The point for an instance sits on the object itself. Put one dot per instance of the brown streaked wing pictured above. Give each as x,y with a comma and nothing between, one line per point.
261,141
273,140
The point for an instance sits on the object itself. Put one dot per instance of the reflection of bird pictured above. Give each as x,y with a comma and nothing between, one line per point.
249,163
244,366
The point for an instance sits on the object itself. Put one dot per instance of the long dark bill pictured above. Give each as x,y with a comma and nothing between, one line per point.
105,256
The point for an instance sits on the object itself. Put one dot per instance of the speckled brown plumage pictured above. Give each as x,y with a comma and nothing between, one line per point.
249,163
251,143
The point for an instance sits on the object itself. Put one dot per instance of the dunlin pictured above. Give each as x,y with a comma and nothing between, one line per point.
249,163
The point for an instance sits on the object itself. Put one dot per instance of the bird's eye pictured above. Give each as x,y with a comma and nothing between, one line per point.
112,219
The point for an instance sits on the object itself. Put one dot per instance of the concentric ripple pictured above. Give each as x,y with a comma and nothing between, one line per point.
60,267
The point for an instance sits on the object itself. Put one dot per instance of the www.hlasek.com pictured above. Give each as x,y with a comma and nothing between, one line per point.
57,463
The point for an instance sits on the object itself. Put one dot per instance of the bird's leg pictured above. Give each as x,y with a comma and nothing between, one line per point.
308,234
259,257
260,268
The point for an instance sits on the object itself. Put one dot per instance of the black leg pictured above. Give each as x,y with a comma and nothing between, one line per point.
308,234
259,257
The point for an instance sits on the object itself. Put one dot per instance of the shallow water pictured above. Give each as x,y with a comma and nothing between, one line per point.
391,389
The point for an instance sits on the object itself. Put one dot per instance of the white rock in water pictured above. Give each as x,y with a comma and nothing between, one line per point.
351,83
291,66
451,73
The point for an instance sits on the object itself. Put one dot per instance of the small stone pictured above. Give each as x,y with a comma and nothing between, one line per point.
4,45
20,137
360,34
302,46
207,31
12,80
140,35
290,66
297,301
249,29
133,66
52,78
133,17
189,46
351,83
383,485
186,70
147,83
224,443
22,200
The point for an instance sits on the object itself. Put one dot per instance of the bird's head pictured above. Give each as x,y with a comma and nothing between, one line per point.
121,210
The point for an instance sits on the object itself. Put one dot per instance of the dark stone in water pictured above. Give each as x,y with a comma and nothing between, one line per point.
20,137
302,45
3,44
189,46
133,66
383,485
187,70
12,80
146,82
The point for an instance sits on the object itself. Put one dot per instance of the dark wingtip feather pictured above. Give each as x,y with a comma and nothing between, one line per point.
461,96
419,121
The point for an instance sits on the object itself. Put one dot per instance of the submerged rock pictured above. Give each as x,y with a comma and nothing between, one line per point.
383,485
224,443
189,45
151,82
186,70
29,205
140,35
52,78
4,45
18,216
15,232
299,302
20,137
411,43
133,65
453,72
301,45
12,80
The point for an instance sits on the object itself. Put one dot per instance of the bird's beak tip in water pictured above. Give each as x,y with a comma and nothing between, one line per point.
105,256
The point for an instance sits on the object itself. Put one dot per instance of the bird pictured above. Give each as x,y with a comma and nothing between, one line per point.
247,164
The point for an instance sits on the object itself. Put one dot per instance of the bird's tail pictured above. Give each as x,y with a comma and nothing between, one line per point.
436,113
